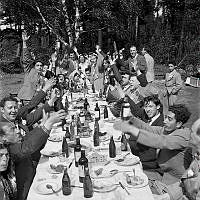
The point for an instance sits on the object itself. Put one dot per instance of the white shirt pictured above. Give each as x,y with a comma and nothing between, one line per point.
153,119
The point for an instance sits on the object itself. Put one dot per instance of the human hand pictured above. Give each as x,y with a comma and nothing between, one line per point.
54,118
54,56
49,84
123,126
25,36
53,97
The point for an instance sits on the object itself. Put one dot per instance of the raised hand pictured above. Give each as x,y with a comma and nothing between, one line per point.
54,57
25,36
53,97
49,84
54,118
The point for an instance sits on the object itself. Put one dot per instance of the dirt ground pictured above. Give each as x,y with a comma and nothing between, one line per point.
11,83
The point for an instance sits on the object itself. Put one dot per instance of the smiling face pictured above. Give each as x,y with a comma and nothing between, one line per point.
133,51
170,123
171,67
151,109
10,110
125,79
4,159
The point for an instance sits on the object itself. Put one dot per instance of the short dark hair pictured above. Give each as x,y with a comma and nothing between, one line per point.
153,98
5,99
182,114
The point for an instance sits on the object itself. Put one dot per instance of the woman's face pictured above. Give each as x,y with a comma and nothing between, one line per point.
38,66
4,159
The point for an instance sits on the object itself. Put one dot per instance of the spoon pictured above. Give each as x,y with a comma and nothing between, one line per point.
48,186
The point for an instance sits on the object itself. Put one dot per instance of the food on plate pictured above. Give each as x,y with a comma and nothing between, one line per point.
55,138
58,168
102,184
128,160
134,180
98,171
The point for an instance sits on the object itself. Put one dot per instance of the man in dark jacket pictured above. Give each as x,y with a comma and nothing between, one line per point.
25,167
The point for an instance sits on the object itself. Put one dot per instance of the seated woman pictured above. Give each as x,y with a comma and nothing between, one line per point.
7,180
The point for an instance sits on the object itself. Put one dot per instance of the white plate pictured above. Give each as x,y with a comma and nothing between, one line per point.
128,161
41,188
139,184
102,185
51,171
55,138
50,153
105,173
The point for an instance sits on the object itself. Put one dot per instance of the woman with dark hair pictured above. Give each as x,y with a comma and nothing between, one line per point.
33,70
7,179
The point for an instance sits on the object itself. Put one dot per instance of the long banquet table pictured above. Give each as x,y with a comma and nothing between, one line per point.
44,174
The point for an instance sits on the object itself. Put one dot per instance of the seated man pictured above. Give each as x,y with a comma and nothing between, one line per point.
151,113
173,139
188,188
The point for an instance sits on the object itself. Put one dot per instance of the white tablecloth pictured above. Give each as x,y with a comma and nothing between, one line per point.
44,174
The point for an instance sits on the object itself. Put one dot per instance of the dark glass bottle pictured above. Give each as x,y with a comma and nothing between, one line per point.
77,151
105,112
66,184
86,105
65,148
93,88
66,104
100,94
124,143
125,109
64,124
112,148
67,133
87,185
96,133
82,163
97,112
78,124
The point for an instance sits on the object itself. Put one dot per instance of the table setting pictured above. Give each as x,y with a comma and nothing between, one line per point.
120,177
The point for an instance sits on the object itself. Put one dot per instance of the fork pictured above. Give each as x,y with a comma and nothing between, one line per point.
48,186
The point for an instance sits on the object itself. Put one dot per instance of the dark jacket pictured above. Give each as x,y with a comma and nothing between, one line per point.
146,154
23,153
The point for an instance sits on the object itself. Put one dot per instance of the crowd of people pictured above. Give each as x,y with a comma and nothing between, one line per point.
169,152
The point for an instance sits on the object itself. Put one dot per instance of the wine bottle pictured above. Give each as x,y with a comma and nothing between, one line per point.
82,163
86,105
66,184
67,132
65,148
124,143
93,88
125,110
77,151
105,112
87,184
66,104
64,125
96,133
97,112
112,148
71,129
100,94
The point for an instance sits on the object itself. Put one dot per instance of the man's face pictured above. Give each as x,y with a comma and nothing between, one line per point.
4,159
87,73
170,123
81,59
151,109
125,79
38,66
11,134
133,51
105,64
171,67
10,110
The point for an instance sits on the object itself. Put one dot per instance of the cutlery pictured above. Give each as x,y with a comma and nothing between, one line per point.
123,187
133,173
48,186
123,158
77,186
